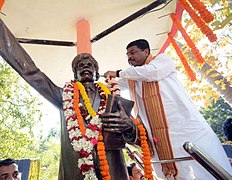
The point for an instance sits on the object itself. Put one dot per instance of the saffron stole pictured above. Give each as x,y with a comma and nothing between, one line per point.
157,121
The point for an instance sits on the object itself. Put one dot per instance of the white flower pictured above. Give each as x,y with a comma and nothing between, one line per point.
82,143
92,134
69,112
74,133
101,93
85,160
90,175
67,95
67,104
72,122
96,120
86,145
101,112
88,117
76,145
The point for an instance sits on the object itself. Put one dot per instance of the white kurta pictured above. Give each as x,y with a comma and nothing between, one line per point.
184,120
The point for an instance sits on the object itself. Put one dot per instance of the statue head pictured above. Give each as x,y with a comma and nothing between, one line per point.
85,68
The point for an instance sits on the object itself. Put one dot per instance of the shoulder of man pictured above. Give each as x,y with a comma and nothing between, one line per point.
163,55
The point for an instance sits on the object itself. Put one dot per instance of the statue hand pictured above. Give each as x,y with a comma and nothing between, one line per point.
117,122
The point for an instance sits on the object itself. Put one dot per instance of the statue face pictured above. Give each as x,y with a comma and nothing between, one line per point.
85,71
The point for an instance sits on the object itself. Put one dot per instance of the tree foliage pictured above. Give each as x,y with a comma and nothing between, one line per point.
217,55
19,114
50,155
216,114
20,119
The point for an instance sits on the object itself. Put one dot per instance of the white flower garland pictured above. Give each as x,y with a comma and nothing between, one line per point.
81,143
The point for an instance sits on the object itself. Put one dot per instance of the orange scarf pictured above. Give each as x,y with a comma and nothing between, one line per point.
157,121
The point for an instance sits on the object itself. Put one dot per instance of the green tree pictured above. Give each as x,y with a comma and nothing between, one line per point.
19,115
216,114
50,155
20,118
214,76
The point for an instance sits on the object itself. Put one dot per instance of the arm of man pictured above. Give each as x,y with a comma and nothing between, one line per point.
156,70
13,53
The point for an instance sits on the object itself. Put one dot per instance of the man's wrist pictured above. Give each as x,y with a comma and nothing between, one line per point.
117,73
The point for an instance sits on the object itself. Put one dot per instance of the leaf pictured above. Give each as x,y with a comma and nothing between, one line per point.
215,75
216,23
223,86
218,82
208,71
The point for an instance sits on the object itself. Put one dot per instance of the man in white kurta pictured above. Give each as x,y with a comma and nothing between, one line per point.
185,123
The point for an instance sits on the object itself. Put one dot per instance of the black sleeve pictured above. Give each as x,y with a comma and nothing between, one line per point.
14,54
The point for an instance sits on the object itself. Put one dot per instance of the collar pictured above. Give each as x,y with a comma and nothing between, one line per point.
89,85
149,59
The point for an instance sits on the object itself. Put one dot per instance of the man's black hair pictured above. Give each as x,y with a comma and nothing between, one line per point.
227,129
6,162
130,167
140,43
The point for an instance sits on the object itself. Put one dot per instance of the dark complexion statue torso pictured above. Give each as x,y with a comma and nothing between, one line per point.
85,70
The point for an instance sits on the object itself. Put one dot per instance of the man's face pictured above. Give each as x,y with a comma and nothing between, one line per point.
86,71
10,172
137,173
136,56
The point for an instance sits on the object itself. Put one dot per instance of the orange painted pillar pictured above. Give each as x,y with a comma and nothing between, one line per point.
83,37
1,4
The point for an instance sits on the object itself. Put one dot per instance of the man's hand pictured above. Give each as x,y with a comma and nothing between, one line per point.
117,122
111,74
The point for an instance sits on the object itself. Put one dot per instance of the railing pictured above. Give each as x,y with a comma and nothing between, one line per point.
208,163
196,154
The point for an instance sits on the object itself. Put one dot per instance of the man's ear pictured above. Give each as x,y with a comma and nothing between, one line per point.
131,178
147,52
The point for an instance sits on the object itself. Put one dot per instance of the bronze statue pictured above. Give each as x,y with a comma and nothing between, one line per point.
85,68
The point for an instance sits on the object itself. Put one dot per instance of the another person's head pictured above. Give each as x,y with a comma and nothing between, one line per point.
9,170
137,52
227,129
85,68
134,172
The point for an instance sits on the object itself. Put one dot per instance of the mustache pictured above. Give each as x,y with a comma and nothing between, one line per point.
130,60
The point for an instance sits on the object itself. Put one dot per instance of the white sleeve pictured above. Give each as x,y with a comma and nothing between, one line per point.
156,70
124,88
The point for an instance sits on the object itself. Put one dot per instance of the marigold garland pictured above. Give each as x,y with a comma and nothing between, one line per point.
102,157
86,99
145,149
84,138
190,43
1,4
188,69
115,90
199,22
77,110
100,145
203,11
